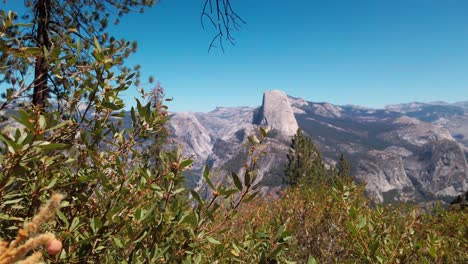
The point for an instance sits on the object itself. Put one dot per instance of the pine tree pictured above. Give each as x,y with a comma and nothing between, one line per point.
305,162
43,51
343,168
51,44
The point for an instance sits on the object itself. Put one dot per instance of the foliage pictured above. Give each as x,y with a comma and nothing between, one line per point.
305,162
125,201
343,168
234,238
332,221
336,224
58,44
121,206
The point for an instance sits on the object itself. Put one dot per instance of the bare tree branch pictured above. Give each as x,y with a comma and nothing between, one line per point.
224,20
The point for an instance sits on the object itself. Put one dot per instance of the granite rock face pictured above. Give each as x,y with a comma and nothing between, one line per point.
218,138
412,152
384,175
189,132
276,113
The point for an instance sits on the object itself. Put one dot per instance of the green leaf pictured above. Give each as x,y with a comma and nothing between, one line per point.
276,251
52,183
63,218
31,51
117,242
12,146
46,52
65,123
247,178
96,45
132,114
433,251
196,196
49,146
177,191
311,260
12,201
260,235
141,237
236,180
95,224
213,241
228,192
191,219
25,119
362,222
75,223
186,163
55,52
98,56
110,105
374,246
206,173
78,48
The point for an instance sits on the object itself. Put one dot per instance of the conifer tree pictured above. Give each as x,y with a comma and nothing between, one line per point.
343,168
305,163
44,50
51,44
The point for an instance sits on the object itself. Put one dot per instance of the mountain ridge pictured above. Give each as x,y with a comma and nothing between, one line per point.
401,155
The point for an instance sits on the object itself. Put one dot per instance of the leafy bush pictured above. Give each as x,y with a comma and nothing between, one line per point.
337,224
125,195
119,206
334,222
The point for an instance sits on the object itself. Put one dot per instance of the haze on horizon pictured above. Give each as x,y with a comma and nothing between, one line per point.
363,52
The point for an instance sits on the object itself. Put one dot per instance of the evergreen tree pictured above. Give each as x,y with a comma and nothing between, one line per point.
58,37
343,168
305,163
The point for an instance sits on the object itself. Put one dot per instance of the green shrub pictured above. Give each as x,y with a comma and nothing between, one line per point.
337,224
125,196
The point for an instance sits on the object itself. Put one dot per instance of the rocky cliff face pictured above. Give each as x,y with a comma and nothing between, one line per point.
217,138
397,151
276,113
439,168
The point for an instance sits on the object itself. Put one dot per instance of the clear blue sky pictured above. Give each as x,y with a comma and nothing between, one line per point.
364,52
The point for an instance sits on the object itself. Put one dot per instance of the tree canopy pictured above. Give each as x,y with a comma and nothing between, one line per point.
57,40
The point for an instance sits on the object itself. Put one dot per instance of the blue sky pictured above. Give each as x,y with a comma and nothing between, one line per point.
363,52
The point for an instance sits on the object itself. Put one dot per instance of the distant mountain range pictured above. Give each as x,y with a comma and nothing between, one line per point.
407,152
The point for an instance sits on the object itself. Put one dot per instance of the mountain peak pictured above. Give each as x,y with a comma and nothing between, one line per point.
276,113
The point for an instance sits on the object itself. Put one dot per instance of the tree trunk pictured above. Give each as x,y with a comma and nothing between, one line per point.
41,72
